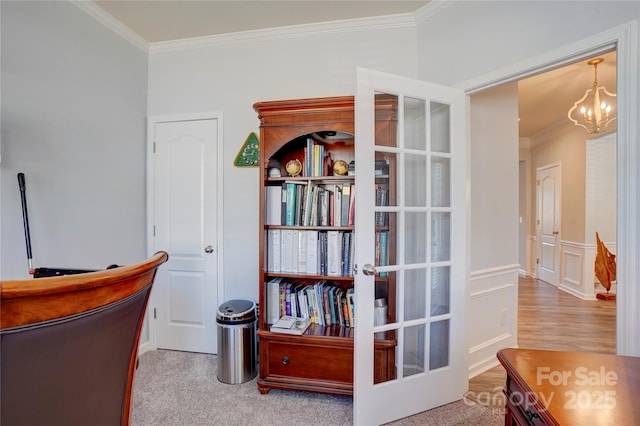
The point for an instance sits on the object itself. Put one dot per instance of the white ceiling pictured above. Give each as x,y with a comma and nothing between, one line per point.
544,100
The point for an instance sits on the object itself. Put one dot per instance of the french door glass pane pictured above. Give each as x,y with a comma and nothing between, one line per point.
439,345
440,290
415,117
440,128
415,177
440,236
440,182
415,293
413,354
415,237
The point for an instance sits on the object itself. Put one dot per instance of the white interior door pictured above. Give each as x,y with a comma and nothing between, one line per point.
426,270
548,223
185,225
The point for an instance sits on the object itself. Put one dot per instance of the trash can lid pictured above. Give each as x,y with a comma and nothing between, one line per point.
236,310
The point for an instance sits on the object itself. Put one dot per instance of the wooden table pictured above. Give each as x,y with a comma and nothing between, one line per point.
570,388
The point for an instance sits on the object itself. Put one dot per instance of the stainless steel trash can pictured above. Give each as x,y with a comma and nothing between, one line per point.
236,321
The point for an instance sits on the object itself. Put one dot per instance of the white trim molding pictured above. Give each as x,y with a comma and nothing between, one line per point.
292,31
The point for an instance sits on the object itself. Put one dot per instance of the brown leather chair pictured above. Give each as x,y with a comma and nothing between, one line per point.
69,345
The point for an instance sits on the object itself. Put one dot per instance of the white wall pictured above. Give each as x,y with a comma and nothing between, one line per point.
494,174
73,120
600,192
231,76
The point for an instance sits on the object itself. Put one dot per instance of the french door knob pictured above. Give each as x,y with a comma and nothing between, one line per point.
369,269
208,249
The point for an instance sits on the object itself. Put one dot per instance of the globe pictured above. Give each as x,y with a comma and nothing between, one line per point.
340,167
293,167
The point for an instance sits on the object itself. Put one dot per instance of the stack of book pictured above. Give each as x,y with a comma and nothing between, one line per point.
310,252
320,302
305,204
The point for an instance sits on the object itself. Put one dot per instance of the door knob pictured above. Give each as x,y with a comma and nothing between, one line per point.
368,269
208,249
555,232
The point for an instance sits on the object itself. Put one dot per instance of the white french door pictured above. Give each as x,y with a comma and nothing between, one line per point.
424,276
185,216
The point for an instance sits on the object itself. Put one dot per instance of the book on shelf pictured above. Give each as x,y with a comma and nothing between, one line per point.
345,311
301,246
382,199
310,193
273,203
337,206
344,205
273,300
339,295
352,206
382,250
312,252
274,248
351,306
283,204
352,250
318,287
294,251
282,291
286,250
288,324
291,204
344,261
323,206
287,299
326,306
334,253
298,205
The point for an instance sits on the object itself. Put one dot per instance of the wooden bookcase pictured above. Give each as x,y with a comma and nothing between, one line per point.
320,360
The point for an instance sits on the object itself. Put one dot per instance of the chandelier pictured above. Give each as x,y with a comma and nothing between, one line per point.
596,109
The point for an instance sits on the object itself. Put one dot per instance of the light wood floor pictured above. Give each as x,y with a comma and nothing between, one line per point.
551,319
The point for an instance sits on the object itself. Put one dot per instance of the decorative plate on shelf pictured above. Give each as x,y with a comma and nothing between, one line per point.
294,167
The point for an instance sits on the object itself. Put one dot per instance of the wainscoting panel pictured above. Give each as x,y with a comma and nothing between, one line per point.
493,314
572,267
577,275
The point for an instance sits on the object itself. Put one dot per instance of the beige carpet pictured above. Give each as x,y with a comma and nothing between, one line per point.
181,388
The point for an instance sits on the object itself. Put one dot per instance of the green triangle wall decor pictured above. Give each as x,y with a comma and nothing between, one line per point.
249,154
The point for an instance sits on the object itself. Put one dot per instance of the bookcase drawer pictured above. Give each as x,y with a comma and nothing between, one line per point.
313,362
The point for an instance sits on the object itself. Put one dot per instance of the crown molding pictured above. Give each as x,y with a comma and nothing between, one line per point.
293,31
433,8
97,13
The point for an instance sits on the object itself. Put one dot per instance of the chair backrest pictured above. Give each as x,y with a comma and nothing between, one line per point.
69,344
